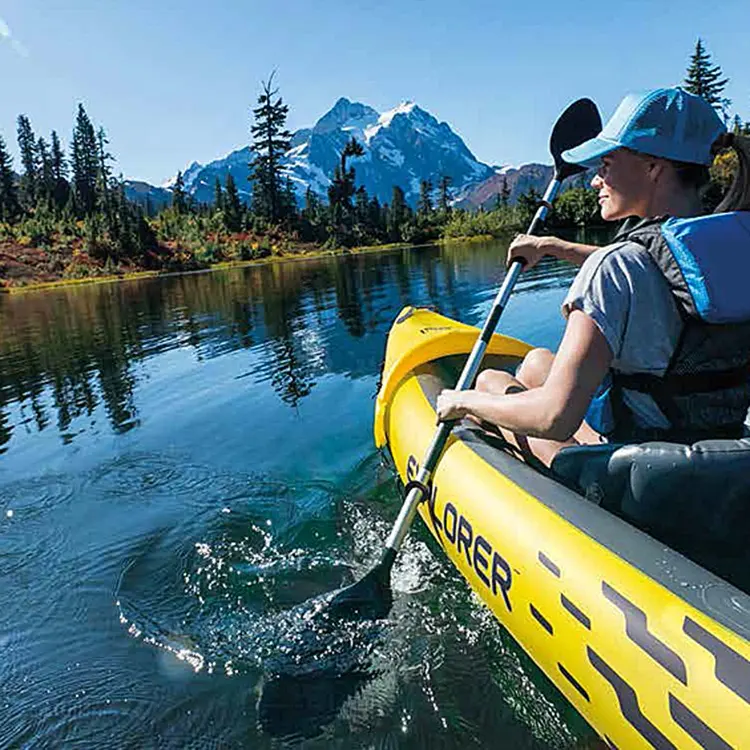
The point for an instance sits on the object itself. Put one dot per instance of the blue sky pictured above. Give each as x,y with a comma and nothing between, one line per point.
173,82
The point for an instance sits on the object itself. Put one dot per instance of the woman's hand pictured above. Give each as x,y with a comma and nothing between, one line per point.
531,248
451,405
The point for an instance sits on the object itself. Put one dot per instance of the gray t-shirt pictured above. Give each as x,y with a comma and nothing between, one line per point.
623,291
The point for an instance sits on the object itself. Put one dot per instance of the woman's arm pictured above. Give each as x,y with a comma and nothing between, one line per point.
533,249
556,410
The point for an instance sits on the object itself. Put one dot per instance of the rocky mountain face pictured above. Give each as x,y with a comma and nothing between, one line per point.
402,146
517,179
145,194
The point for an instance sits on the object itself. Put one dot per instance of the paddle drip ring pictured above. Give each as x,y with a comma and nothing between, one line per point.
413,484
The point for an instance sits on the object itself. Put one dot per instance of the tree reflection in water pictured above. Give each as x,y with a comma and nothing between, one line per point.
64,353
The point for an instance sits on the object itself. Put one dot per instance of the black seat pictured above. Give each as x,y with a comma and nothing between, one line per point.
698,492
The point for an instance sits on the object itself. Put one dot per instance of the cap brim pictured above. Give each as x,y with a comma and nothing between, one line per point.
590,152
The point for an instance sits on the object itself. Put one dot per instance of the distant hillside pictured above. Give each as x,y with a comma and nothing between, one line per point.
518,180
143,193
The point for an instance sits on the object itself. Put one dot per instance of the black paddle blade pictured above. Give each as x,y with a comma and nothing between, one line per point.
370,598
579,122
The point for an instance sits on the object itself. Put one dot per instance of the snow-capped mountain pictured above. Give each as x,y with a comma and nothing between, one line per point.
403,146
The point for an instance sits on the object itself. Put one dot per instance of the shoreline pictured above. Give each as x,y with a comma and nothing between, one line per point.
220,266
229,264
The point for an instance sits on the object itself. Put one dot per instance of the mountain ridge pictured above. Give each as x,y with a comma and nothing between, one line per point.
402,146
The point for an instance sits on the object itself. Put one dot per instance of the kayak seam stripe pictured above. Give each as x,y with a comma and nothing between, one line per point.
575,612
572,680
541,619
544,560
628,701
731,669
636,628
696,727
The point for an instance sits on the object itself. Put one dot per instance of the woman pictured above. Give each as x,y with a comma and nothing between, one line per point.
627,314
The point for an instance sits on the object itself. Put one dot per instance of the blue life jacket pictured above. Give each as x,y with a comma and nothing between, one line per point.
705,390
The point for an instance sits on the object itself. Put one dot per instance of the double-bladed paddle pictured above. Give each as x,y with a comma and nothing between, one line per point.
371,596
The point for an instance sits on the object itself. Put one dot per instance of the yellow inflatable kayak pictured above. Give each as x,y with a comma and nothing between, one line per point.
650,647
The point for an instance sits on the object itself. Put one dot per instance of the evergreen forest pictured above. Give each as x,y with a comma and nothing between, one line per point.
64,213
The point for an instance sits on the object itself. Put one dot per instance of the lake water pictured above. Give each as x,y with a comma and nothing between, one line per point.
185,461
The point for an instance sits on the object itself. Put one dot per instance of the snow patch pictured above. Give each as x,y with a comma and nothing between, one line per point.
297,151
391,155
402,109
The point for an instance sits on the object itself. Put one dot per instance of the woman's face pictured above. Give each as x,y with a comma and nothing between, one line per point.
625,184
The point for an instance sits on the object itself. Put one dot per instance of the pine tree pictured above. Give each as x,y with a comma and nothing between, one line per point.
9,207
505,192
341,189
444,197
288,202
528,203
340,194
179,201
424,205
132,235
61,189
311,210
232,206
376,221
398,214
45,179
361,214
271,140
705,79
218,196
313,217
85,163
104,177
27,145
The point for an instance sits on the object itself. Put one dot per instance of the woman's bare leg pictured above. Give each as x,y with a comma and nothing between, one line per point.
534,369
531,373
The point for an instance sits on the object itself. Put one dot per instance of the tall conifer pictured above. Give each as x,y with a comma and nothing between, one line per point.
705,79
60,188
104,177
9,207
340,194
85,163
505,192
444,197
271,140
376,221
179,201
398,214
218,195
424,205
232,206
45,176
27,145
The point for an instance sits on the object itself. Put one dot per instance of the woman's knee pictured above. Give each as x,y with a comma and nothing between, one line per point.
493,381
534,369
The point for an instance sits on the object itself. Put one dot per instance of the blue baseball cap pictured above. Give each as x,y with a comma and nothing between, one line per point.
669,123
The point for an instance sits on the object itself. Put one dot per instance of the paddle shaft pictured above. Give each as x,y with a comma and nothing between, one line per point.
468,375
